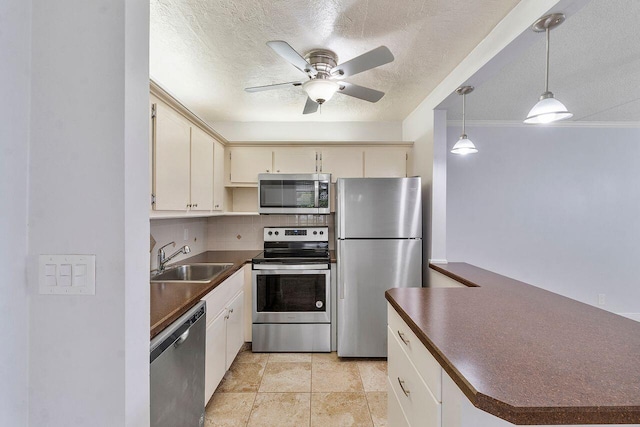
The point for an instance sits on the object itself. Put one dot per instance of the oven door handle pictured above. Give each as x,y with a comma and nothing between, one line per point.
291,267
316,196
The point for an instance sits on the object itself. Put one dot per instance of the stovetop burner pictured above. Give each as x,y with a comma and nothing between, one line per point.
295,246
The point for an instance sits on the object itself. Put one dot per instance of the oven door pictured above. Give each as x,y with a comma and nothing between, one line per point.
291,296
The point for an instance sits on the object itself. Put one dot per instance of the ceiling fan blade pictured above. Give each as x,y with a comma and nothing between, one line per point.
310,107
360,92
283,49
269,87
372,59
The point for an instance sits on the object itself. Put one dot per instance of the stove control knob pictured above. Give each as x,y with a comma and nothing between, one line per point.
277,233
321,233
315,232
270,233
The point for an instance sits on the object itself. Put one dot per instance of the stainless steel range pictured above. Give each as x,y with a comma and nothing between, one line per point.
292,291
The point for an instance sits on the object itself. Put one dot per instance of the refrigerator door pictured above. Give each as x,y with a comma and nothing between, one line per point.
366,269
383,208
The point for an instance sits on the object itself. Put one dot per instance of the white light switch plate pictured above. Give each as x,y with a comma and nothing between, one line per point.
67,274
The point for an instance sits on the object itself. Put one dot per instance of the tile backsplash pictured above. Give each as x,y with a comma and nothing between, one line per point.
245,232
173,230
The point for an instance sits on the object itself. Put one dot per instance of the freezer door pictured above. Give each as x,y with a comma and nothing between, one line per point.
366,269
383,208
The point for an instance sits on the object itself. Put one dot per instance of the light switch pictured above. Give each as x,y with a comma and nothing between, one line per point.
79,275
67,274
65,269
50,270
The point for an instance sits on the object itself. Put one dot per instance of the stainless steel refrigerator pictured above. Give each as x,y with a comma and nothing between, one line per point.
378,246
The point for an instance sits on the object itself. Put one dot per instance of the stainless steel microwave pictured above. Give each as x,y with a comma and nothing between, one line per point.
294,193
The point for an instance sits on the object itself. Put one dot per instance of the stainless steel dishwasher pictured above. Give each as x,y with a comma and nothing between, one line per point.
177,372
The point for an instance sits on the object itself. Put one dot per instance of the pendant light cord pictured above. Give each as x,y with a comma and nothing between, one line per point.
464,96
546,74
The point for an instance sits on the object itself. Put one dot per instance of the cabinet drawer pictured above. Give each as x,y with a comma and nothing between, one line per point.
416,401
218,299
395,416
426,365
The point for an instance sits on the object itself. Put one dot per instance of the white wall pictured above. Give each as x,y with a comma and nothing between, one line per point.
87,194
556,207
310,131
420,126
15,53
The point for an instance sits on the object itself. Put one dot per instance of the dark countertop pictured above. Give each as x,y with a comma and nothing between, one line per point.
524,354
170,300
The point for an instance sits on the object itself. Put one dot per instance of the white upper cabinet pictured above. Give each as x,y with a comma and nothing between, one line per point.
385,162
294,160
342,162
247,162
218,176
171,159
202,146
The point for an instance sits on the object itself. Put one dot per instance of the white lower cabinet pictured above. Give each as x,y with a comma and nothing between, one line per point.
416,400
225,333
215,355
235,332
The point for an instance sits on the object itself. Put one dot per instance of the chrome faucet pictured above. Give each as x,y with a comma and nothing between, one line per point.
163,259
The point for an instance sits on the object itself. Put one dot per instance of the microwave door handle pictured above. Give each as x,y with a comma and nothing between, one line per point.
316,188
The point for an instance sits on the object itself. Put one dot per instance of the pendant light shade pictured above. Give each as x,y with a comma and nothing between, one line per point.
548,109
464,144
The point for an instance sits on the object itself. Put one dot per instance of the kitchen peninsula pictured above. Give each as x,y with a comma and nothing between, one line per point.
500,349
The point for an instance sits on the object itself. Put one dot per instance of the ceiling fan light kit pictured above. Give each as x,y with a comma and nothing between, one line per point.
320,90
464,144
324,73
548,109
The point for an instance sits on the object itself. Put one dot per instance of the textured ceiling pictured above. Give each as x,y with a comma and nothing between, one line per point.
205,52
595,70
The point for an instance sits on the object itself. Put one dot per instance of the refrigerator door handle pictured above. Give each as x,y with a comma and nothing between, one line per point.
340,270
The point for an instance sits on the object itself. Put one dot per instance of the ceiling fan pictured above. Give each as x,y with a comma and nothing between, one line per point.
325,75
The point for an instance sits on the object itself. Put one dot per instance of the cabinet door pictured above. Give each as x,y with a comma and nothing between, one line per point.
385,162
172,158
235,328
218,176
342,162
294,160
201,170
214,354
247,162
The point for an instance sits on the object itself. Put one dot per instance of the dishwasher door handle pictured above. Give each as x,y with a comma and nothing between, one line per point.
181,339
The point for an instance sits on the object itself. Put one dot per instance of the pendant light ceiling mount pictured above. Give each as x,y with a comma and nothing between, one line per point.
463,90
548,109
548,22
464,144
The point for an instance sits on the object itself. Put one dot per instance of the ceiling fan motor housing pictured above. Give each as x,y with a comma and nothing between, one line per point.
323,61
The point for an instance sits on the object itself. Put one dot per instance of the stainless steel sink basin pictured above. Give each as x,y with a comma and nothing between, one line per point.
201,273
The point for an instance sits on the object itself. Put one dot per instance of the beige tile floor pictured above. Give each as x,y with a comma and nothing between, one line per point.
300,389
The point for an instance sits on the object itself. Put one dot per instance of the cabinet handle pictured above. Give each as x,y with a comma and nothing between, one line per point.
404,340
267,170
189,205
195,206
231,310
278,171
404,390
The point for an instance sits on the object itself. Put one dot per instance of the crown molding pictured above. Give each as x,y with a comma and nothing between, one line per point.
560,124
406,144
173,102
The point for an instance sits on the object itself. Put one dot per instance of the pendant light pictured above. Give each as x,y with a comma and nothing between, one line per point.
548,109
464,144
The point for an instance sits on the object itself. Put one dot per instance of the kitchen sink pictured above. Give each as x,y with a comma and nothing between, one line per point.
202,273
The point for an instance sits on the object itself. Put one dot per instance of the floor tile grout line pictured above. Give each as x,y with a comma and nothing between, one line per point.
364,391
